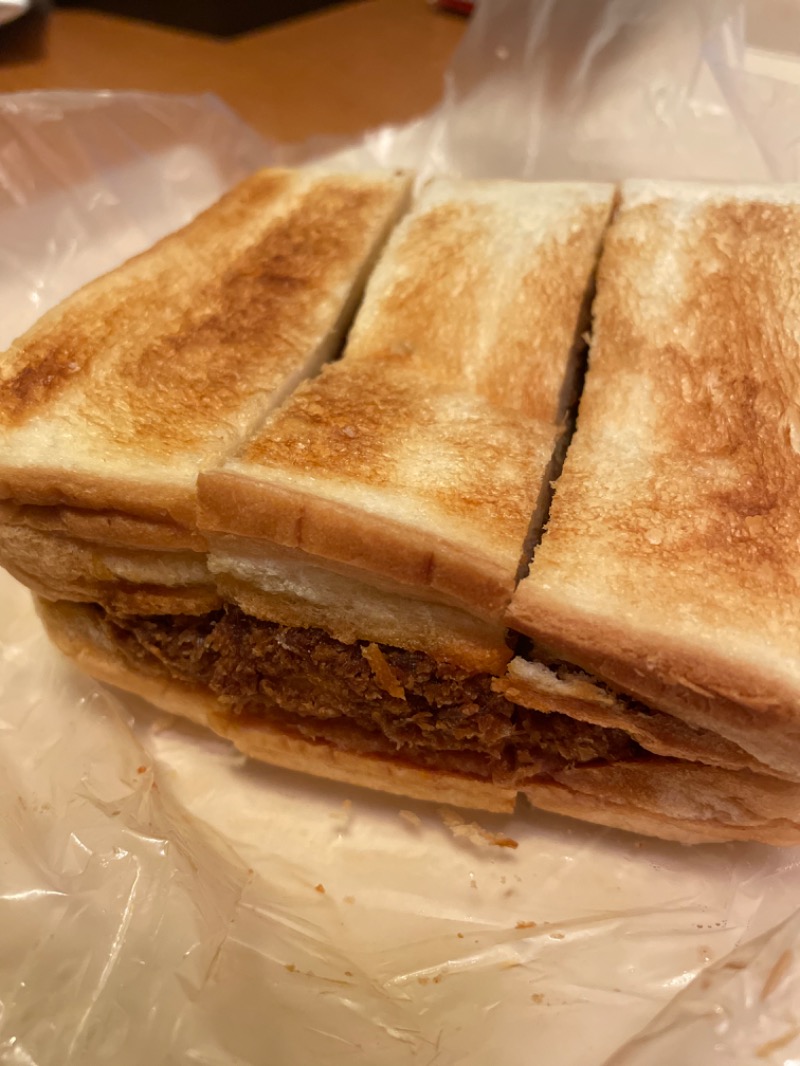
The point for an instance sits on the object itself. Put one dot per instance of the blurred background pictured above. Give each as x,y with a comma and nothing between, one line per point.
299,68
291,68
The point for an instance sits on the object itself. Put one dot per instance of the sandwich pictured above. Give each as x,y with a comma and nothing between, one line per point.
353,566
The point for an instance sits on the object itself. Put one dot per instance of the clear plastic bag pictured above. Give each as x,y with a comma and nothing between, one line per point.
163,900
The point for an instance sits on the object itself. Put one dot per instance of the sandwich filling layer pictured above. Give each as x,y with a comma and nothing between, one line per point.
361,697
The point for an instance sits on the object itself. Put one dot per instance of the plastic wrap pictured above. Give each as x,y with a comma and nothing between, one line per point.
12,9
164,900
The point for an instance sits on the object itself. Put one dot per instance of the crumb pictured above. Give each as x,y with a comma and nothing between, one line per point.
290,966
385,677
349,899
776,975
474,833
342,816
538,997
423,980
557,936
141,769
775,1045
704,953
411,818
526,925
460,936
437,979
320,888
472,882
347,973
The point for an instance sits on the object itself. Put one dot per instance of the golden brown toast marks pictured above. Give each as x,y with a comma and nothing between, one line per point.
202,320
113,528
483,286
64,343
411,431
425,485
250,325
670,564
168,362
423,454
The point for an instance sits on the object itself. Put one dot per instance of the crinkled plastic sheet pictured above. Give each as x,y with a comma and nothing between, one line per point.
164,900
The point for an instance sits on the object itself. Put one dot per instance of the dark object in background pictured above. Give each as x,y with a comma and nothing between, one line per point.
23,39
461,7
220,18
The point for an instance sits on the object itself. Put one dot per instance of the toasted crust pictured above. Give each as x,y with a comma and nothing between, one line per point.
142,599
69,568
670,566
579,696
115,529
665,798
240,305
603,810
416,538
157,500
687,794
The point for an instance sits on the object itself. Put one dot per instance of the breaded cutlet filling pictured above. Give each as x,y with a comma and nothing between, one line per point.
361,697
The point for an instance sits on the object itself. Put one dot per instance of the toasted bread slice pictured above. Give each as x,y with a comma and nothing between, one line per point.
424,456
372,465
670,565
116,398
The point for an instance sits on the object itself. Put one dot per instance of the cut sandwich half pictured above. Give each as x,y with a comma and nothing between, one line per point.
669,572
366,540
